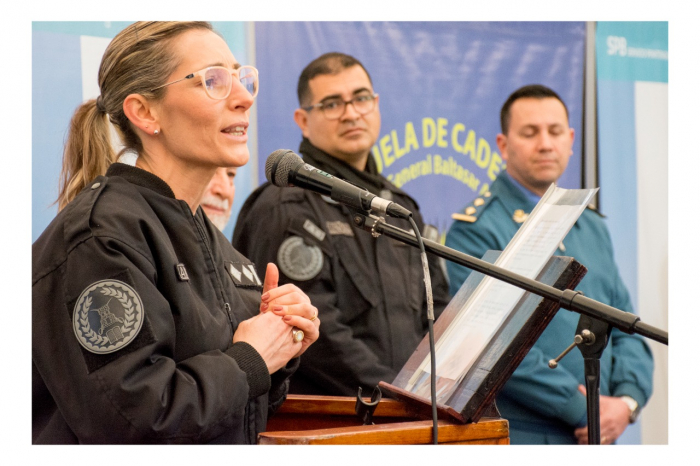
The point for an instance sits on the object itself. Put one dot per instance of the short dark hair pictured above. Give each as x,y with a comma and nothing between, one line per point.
328,63
536,91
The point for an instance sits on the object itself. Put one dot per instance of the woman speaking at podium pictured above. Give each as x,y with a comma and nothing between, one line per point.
147,326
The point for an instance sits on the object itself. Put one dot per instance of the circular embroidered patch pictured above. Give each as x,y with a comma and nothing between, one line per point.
107,316
298,260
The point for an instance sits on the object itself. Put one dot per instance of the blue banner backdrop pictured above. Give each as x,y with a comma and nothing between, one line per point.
632,87
441,87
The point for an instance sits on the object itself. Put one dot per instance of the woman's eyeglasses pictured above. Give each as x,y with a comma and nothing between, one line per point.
217,80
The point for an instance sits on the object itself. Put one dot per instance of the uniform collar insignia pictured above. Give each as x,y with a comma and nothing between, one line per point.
243,274
519,216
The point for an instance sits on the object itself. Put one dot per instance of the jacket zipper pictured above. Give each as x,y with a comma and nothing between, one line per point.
227,307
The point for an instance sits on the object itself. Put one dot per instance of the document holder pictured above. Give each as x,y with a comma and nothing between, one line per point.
468,398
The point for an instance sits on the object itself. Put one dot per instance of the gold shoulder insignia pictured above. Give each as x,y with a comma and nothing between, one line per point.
471,212
464,218
519,216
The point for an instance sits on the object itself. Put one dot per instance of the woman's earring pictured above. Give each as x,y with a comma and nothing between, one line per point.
156,132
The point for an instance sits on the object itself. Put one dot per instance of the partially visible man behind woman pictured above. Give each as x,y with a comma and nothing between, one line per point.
218,197
147,326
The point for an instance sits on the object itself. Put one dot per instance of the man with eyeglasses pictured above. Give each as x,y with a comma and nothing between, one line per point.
369,291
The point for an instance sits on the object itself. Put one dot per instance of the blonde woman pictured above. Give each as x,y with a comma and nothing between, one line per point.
147,326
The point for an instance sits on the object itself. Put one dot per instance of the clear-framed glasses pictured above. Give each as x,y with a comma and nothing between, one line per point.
334,108
217,80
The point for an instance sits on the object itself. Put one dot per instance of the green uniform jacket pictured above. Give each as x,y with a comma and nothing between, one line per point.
543,405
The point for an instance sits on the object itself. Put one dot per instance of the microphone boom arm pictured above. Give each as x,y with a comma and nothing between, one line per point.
568,299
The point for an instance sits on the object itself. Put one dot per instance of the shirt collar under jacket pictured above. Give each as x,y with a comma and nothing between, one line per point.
532,197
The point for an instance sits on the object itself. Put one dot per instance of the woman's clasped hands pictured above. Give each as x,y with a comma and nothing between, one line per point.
287,324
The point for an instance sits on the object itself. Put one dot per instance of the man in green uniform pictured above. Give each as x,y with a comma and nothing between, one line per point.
544,405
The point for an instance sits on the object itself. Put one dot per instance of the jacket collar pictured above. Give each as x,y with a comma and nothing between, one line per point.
369,178
510,195
140,177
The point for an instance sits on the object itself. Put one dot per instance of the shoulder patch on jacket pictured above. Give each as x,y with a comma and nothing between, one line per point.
299,260
107,316
123,305
473,210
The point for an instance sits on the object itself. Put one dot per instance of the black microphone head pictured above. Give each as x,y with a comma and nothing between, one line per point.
278,166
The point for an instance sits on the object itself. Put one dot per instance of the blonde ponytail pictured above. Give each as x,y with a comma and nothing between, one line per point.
88,151
138,60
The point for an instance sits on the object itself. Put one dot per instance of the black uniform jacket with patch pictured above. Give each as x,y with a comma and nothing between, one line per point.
180,379
369,291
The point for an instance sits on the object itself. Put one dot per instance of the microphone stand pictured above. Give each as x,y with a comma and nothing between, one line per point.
568,299
591,352
595,324
592,336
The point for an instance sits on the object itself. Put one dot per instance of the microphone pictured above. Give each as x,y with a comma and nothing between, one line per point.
285,168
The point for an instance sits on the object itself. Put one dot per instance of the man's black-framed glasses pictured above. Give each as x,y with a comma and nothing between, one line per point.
334,108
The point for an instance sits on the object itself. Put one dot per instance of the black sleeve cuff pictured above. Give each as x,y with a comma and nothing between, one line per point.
280,385
285,372
250,362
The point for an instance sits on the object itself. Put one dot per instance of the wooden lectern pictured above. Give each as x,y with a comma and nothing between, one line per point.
469,415
331,420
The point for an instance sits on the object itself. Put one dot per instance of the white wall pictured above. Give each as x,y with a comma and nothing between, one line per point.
651,122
